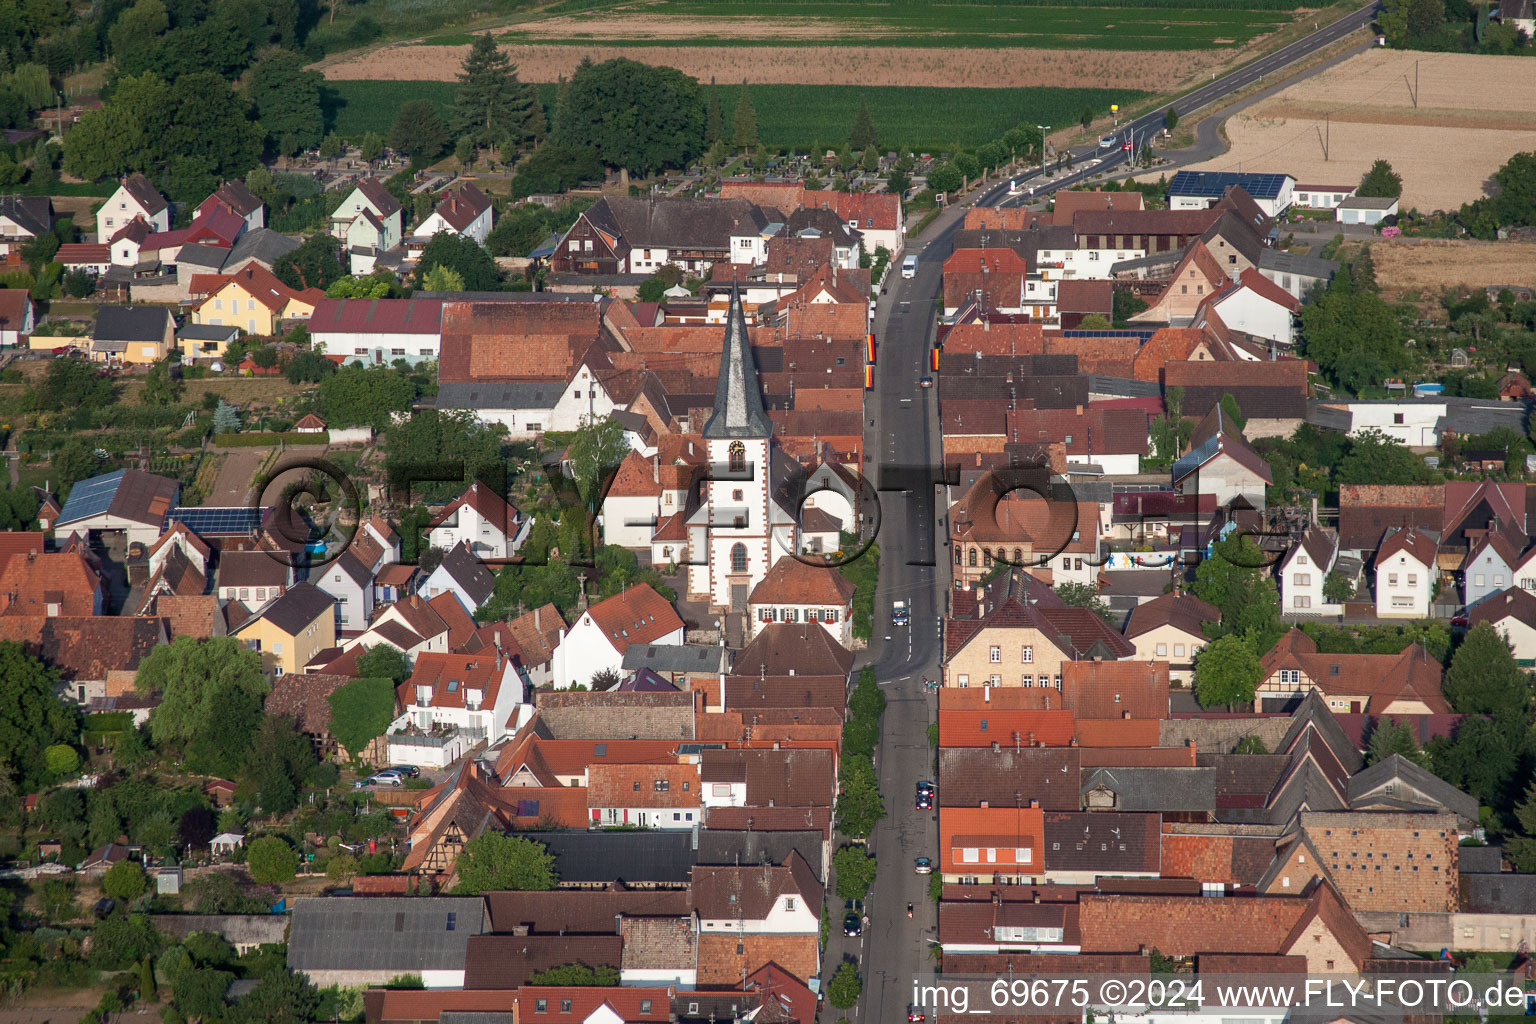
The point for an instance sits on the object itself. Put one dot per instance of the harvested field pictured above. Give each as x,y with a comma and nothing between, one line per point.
1431,265
1363,109
934,67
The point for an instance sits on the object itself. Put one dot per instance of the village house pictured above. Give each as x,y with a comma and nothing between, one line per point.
463,210
1199,190
463,575
379,331
16,315
127,500
369,222
752,915
1405,573
659,796
483,521
287,632
1170,628
1304,569
1491,566
624,235
795,591
234,197
252,577
1512,613
51,584
597,640
1406,683
991,845
253,300
135,199
350,584
453,702
136,335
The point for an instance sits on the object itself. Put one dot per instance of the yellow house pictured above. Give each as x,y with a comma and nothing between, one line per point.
1171,628
205,341
1017,640
289,631
133,334
253,300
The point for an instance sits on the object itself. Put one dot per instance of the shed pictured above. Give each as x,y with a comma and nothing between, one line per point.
1459,357
168,880
1365,210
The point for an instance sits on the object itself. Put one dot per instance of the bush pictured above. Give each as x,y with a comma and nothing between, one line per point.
125,881
61,760
271,860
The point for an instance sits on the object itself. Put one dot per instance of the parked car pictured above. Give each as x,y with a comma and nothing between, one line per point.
925,382
410,771
923,866
851,925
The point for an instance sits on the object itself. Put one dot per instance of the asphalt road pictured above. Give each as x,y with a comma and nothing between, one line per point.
902,440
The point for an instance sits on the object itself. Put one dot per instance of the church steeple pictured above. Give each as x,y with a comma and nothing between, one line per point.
738,396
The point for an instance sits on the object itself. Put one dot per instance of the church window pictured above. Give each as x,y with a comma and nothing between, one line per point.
738,557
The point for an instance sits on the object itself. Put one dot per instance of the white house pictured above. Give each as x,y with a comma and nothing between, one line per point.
1303,570
411,626
463,575
649,795
350,582
783,899
239,200
252,577
1259,307
1513,614
600,636
464,210
466,698
1490,567
379,331
23,218
1321,197
483,521
795,591
1225,466
1365,210
1405,571
369,221
528,408
135,198
647,490
1199,190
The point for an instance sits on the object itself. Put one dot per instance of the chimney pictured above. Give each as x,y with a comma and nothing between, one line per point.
1031,739
1034,804
986,803
1037,895
1125,715
995,749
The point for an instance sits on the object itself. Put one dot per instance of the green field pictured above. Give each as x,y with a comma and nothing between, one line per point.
1185,25
805,117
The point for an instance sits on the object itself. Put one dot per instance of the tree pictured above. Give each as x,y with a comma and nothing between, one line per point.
1375,458
1250,745
226,420
1236,580
383,662
744,124
199,682
714,119
1170,119
1381,182
596,448
846,986
464,256
1083,595
1484,679
419,131
859,805
1388,738
371,147
945,178
1337,588
862,136
552,168
287,97
491,106
1086,118
362,709
332,145
1095,322
316,263
281,997
32,717
277,765
495,861
61,760
1407,22
1355,337
196,828
160,386
576,974
354,396
78,283
308,368
1226,672
42,166
1482,758
125,881
855,868
271,860
634,116
443,279
1525,811
72,384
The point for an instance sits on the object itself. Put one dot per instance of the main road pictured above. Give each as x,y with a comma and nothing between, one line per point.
902,440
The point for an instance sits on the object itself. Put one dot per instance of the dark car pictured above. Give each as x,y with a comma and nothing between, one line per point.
410,771
924,796
915,1013
851,925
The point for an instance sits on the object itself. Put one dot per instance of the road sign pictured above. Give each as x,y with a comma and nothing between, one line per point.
1114,108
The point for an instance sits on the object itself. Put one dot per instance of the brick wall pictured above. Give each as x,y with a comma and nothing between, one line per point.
1406,867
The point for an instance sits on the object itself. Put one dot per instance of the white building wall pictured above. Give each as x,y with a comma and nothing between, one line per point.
627,521
378,347
1485,576
1403,587
1251,313
1416,428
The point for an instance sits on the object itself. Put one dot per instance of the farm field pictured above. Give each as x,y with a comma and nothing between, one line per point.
933,67
1364,108
804,117
1431,265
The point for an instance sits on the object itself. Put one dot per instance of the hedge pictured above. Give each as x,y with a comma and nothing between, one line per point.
268,440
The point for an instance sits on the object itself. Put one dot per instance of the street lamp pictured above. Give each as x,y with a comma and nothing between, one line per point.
1043,128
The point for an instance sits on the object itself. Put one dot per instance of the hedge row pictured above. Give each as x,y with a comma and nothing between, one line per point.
268,440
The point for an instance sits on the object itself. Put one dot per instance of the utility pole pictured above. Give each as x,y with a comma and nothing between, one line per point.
1043,129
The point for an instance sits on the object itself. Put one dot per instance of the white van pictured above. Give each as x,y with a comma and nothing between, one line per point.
909,266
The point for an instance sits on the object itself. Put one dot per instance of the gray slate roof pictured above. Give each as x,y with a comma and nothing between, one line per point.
676,658
379,933
499,394
1302,266
1155,789
1480,860
659,857
131,323
195,254
1498,894
1432,786
718,846
262,245
738,396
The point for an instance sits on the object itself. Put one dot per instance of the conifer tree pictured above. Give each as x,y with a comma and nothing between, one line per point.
744,127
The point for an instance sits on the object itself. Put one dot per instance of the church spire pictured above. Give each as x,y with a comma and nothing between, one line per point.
738,396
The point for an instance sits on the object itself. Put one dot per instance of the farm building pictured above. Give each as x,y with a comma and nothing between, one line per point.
379,330
1365,210
1199,190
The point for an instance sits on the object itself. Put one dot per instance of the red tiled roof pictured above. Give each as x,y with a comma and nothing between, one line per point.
381,316
1007,728
637,615
460,206
791,581
30,583
1261,285
643,785
1000,829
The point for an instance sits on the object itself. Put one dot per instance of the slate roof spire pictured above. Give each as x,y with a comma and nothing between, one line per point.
738,396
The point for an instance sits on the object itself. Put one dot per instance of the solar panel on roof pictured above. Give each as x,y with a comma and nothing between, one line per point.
91,497
1214,184
229,520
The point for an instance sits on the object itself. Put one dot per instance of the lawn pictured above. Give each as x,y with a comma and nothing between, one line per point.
805,117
